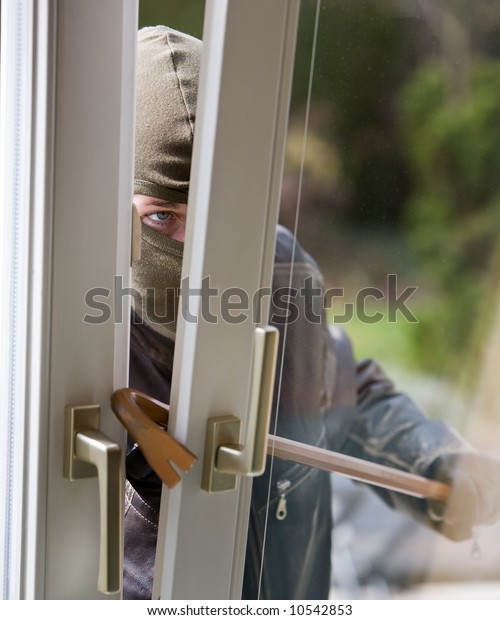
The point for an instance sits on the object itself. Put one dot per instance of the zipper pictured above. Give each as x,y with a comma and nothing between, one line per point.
282,486
286,485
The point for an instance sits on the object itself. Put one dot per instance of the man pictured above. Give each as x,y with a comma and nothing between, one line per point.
326,399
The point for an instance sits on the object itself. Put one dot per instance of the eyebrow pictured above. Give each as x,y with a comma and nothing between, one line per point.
164,205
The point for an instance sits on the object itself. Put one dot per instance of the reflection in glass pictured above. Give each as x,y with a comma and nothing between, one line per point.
399,203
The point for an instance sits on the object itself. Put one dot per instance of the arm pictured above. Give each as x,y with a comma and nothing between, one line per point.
387,427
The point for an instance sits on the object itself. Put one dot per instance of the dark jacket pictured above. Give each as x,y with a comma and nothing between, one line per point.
322,397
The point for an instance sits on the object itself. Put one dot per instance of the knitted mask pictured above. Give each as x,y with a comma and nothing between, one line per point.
156,277
168,65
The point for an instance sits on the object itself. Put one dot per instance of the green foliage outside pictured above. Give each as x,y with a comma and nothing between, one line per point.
452,216
401,166
183,15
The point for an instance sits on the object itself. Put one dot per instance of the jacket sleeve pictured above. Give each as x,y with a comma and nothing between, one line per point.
388,428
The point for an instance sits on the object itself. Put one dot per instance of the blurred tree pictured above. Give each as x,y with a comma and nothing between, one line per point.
362,59
179,14
453,144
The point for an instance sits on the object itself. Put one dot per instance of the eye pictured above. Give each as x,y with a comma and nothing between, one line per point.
159,216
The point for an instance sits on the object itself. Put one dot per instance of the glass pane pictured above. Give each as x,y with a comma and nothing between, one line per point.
390,203
391,185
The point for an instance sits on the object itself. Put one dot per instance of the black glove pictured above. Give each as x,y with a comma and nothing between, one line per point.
474,497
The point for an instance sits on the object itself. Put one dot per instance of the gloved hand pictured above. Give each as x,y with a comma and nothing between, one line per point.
474,498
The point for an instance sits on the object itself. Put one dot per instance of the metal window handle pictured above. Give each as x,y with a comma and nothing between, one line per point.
89,453
225,456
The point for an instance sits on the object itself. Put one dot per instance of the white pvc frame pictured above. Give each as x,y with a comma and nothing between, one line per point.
21,273
235,185
73,233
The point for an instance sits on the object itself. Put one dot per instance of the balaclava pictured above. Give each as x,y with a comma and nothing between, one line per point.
168,65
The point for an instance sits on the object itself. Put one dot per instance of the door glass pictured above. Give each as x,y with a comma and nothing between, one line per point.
391,185
388,251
